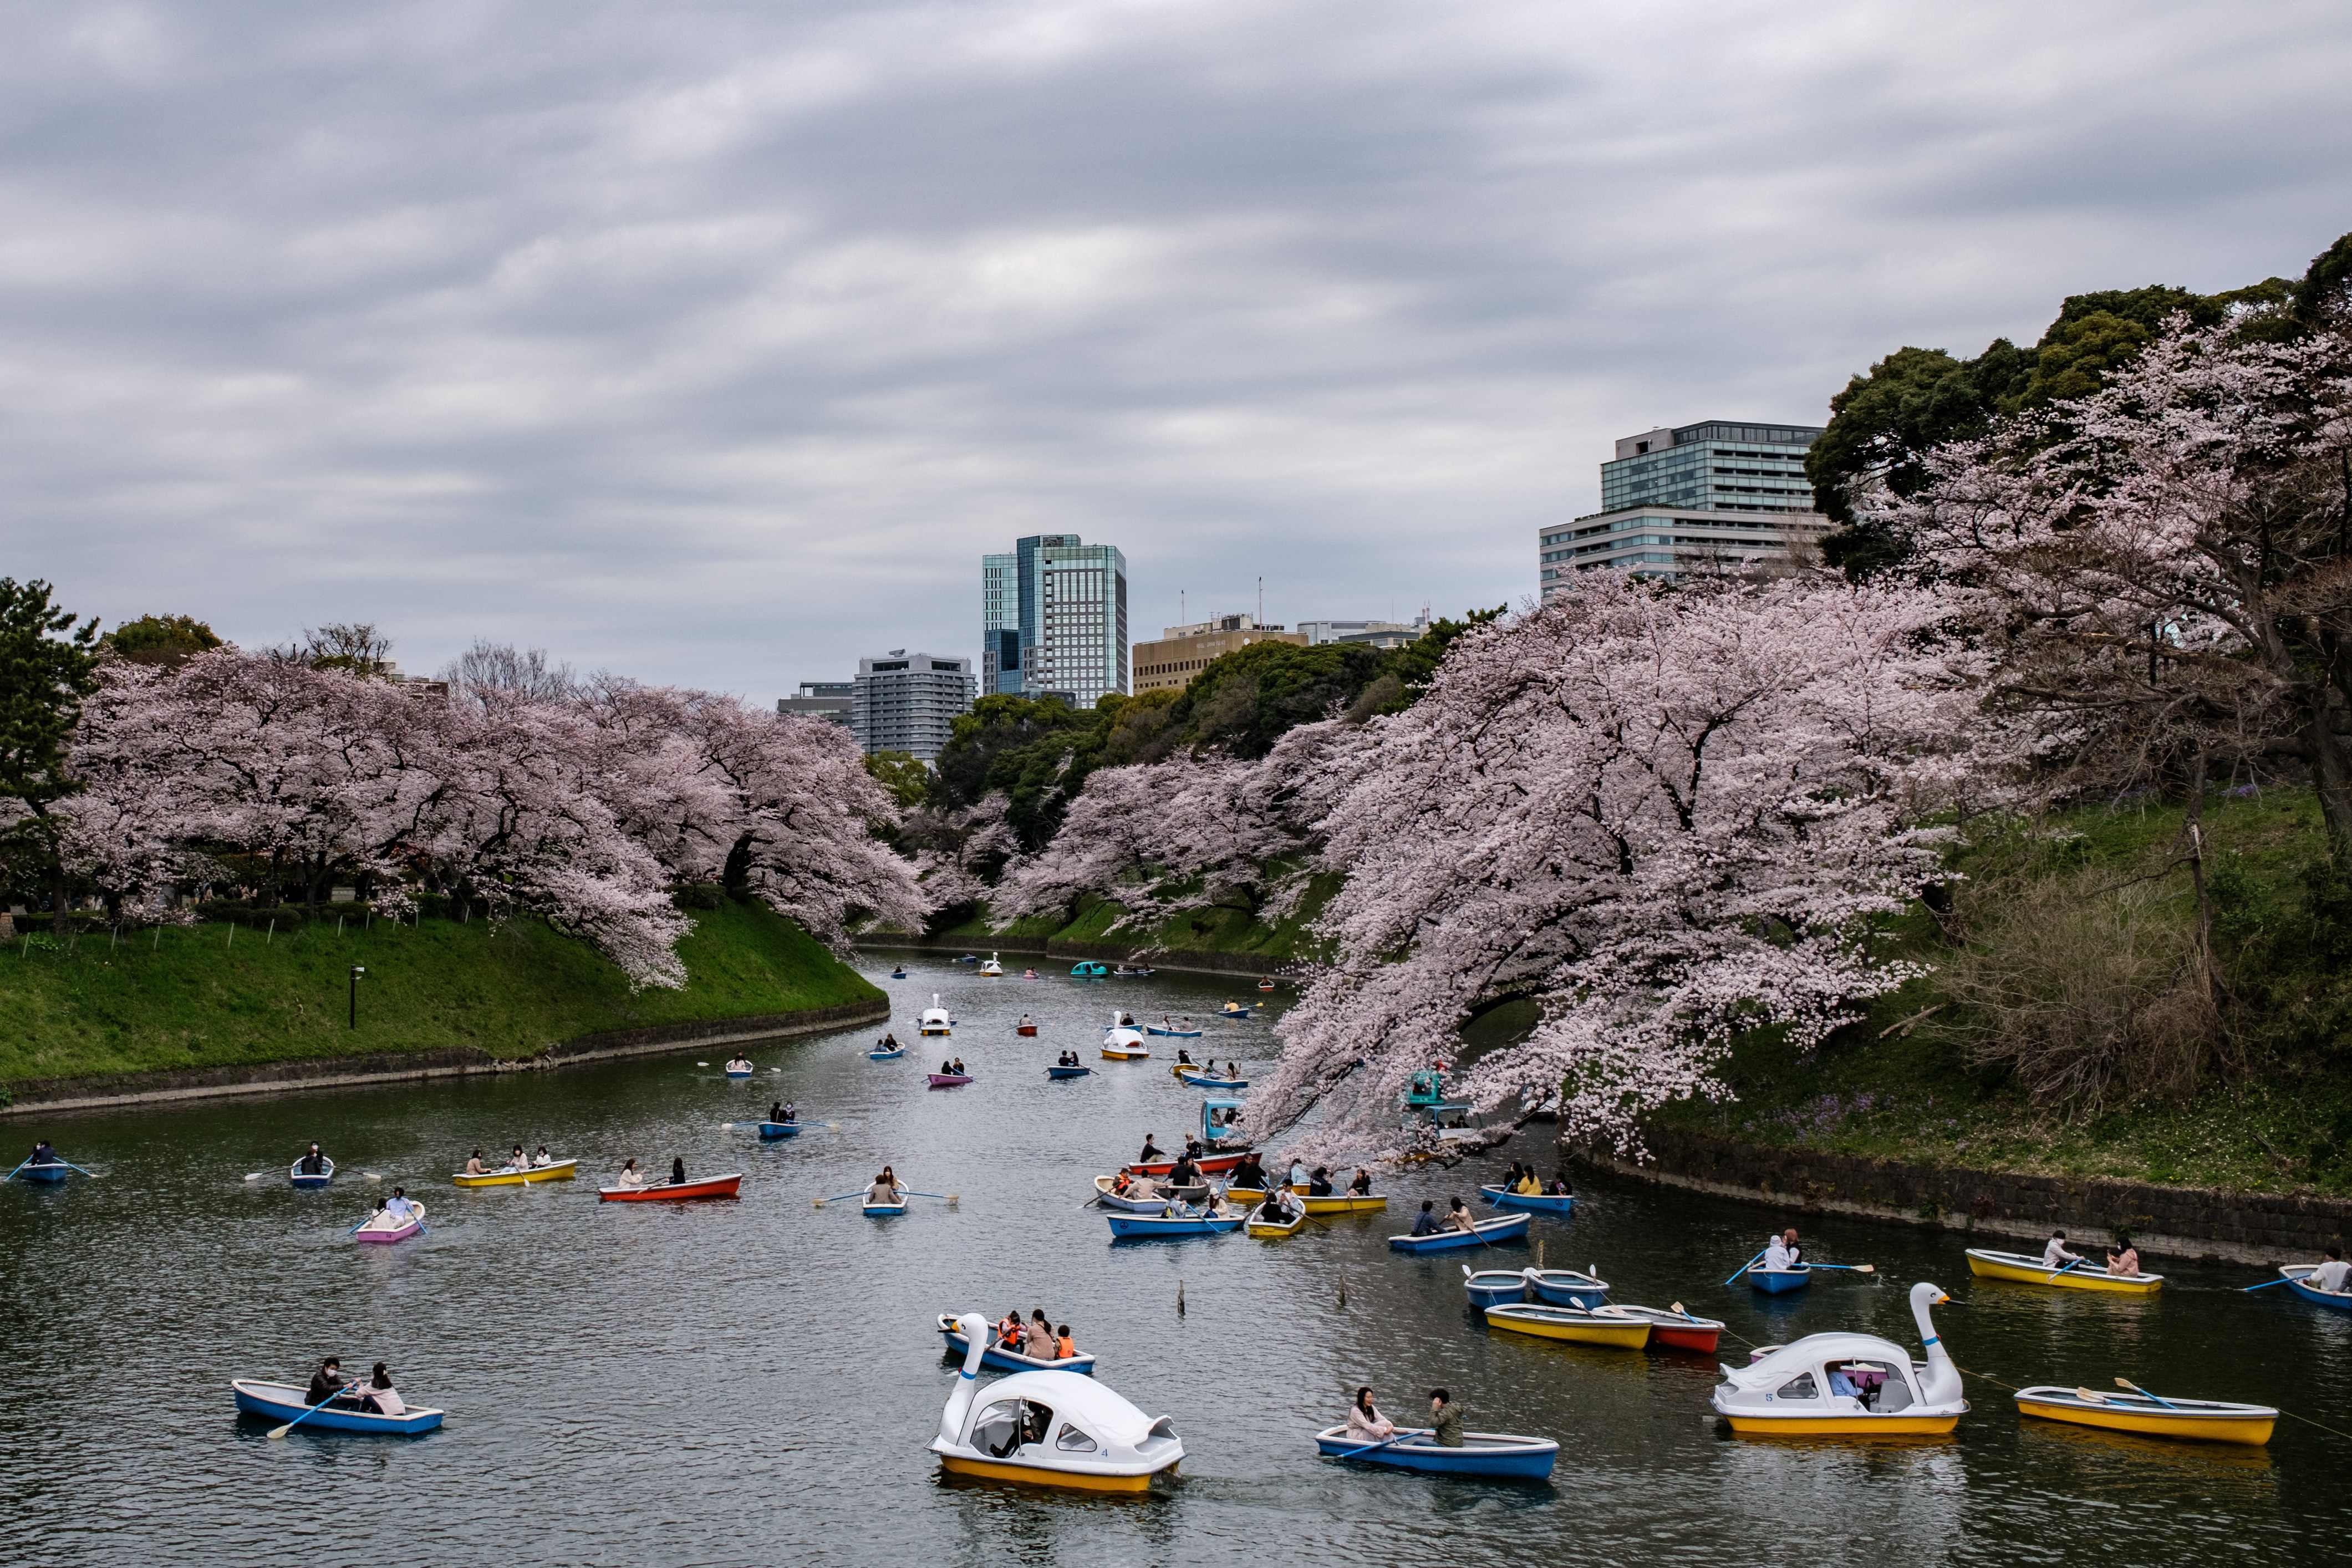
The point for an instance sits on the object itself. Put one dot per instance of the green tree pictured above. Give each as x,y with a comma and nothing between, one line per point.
48,667
903,774
169,641
1246,700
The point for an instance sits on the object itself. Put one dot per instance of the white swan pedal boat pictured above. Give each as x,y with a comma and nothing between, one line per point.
1048,1428
1844,1384
936,1019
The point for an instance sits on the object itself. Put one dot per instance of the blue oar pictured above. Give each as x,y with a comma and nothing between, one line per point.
2070,1268
2282,1280
70,1165
838,1197
1857,1268
27,1161
1744,1269
2144,1394
1370,1448
277,1432
949,1197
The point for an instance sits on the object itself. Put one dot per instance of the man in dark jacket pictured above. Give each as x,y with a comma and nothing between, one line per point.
1445,1418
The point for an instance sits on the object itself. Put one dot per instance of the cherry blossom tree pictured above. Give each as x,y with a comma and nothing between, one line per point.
2165,566
1667,814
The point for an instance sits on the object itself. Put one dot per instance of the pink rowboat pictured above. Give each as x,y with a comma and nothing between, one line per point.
950,1079
368,1230
667,1192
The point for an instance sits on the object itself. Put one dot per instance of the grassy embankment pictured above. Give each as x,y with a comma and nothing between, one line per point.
196,998
1227,931
2272,1110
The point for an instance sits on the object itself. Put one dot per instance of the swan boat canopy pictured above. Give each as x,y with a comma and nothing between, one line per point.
1123,1042
1048,1428
1844,1384
992,967
934,1019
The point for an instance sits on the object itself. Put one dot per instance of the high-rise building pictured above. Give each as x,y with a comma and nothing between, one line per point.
827,700
1182,652
1719,495
1052,618
909,702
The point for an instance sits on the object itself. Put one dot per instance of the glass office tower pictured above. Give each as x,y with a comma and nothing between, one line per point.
1720,494
1052,618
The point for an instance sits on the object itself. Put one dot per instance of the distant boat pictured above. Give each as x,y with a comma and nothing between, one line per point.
1089,969
992,967
934,1019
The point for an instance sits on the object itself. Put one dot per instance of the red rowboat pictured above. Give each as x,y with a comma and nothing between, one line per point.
665,1192
1025,1029
948,1079
1208,1166
1676,1330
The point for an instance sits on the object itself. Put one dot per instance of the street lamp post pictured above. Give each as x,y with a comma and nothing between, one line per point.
356,972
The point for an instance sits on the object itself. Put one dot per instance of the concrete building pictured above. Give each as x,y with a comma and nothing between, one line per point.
1721,495
1377,634
909,702
1052,618
1182,652
827,700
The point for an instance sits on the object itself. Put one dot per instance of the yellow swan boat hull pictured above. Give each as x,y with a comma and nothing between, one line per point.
561,1171
1031,1474
2020,1268
1844,1426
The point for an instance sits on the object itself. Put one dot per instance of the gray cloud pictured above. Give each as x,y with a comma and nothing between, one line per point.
714,343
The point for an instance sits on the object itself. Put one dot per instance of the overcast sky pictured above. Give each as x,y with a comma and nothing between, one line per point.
715,344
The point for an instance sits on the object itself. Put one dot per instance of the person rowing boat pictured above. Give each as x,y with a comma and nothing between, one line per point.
398,1207
1457,1217
1782,1254
739,1064
1152,1152
313,1162
2054,1253
43,1154
886,1191
328,1386
630,1176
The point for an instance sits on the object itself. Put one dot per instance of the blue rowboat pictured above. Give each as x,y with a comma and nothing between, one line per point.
1502,1454
897,974
1568,1288
780,1130
2298,1278
283,1401
738,1074
1511,1227
1781,1281
1207,1081
1010,1361
1541,1203
1067,1072
1494,1286
1172,1034
1137,1227
301,1179
55,1172
1235,1012
886,1056
886,1211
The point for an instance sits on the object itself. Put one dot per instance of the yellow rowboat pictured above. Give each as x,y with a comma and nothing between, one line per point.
1569,1323
560,1171
2025,1269
2195,1420
1245,1194
1343,1203
1272,1232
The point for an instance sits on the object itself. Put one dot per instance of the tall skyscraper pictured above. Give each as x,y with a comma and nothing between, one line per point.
1052,618
907,702
1722,493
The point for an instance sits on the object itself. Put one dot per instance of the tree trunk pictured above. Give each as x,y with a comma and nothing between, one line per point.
2331,773
2193,829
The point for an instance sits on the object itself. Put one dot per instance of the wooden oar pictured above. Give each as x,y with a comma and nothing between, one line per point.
1372,1448
2092,1395
277,1432
1744,1269
2144,1394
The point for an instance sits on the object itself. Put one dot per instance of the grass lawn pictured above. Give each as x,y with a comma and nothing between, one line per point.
195,997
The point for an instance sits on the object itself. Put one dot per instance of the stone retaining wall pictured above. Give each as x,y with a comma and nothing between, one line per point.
46,1096
2198,1222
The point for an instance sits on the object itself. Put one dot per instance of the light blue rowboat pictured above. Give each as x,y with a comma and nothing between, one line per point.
768,1130
2298,1278
55,1170
1498,1454
1568,1288
740,1074
301,1178
1508,1227
1494,1286
1067,1072
283,1401
1781,1281
1210,1080
1172,1034
1541,1203
886,1056
886,1211
1137,1227
1010,1361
